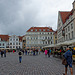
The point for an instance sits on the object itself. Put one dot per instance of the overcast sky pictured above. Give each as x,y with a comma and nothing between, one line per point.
17,16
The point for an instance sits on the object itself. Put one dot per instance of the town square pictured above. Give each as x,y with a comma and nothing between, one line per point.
37,37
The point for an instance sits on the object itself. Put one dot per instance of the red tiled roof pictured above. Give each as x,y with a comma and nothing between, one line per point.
71,13
55,32
47,29
64,16
4,37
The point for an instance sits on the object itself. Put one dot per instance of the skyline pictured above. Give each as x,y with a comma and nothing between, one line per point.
16,17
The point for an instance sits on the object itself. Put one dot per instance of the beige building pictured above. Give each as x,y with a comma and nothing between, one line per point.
38,37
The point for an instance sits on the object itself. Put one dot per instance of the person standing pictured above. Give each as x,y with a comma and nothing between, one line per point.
68,57
20,56
4,53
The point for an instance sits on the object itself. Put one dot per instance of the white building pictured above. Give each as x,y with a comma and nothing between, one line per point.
15,42
66,26
37,37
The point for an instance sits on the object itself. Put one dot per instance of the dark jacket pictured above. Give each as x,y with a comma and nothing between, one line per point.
68,56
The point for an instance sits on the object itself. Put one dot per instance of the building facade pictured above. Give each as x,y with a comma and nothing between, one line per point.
15,42
38,37
66,25
3,41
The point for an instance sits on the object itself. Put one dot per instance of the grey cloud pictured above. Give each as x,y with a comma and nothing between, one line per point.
17,16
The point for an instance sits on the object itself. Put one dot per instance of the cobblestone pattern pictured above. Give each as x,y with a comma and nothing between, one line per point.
31,65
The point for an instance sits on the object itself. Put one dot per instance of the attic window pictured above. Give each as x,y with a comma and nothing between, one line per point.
31,29
43,29
39,29
35,29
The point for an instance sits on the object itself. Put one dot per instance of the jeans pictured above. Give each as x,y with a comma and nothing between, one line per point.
20,59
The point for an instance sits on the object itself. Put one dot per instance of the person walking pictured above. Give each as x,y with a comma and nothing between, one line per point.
46,53
68,57
20,56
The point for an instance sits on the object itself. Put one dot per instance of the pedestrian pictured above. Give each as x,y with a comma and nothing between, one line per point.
46,53
68,57
34,52
4,53
20,56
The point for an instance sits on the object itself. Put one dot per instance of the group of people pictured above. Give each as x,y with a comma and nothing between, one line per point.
47,52
28,52
31,52
3,53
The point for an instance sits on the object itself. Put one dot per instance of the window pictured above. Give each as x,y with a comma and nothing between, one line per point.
43,29
39,29
72,34
51,42
31,29
16,39
69,35
3,44
16,43
68,28
51,33
13,46
35,29
72,26
66,37
45,37
10,46
13,39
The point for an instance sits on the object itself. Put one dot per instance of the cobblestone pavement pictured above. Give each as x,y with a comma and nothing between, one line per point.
31,65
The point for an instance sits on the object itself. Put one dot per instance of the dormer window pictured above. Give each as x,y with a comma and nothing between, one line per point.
31,29
43,29
39,29
35,29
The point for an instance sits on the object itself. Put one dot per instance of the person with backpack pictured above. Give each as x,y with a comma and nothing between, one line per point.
68,57
20,56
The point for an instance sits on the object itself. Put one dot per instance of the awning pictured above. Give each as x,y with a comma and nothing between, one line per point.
70,42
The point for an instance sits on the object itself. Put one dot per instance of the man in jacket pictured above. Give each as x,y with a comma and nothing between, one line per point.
68,56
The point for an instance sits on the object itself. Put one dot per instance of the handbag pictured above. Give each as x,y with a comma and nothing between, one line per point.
64,62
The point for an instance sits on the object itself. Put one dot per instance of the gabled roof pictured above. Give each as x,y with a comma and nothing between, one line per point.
4,37
55,32
47,29
64,15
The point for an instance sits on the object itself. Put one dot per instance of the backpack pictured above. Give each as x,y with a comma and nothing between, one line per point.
19,53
